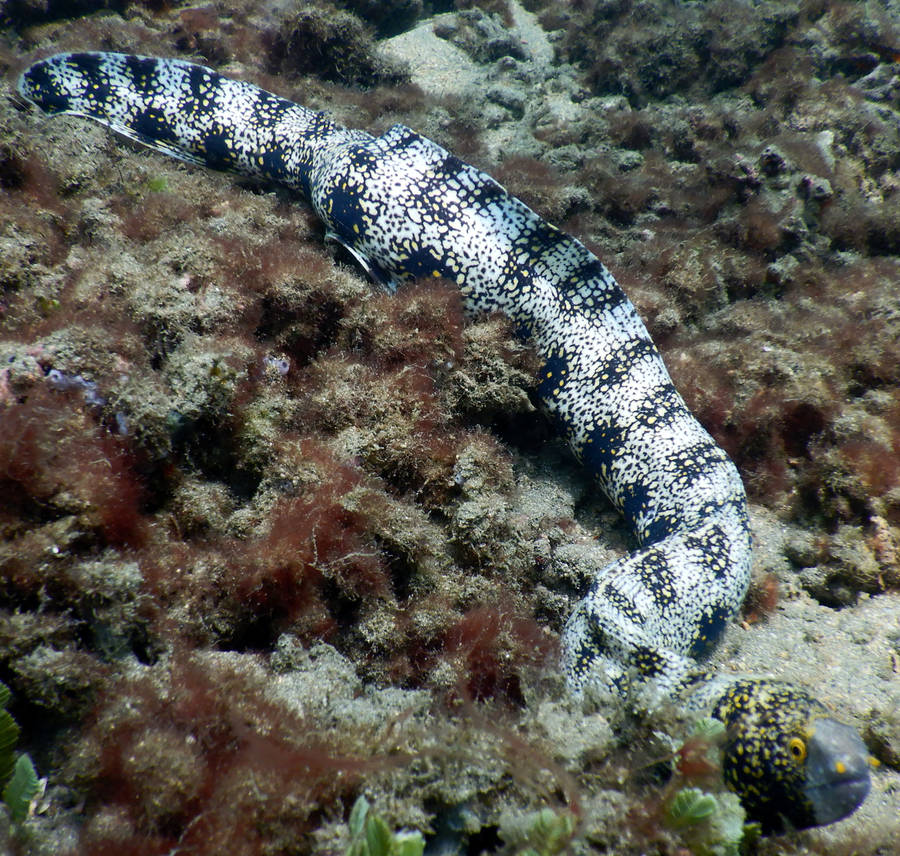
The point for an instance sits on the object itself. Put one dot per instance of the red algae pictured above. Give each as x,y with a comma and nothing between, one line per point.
172,754
55,461
492,646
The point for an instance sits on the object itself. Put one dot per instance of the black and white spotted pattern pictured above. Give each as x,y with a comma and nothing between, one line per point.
407,208
603,381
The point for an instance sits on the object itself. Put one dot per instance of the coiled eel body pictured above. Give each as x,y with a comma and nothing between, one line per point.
406,208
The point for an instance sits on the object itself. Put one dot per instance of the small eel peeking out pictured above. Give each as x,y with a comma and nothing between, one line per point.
405,208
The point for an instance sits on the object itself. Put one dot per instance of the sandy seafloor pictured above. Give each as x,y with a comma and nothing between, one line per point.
233,598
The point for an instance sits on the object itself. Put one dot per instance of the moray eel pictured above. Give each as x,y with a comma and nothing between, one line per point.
406,208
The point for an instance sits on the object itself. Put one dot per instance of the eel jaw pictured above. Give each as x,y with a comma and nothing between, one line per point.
837,771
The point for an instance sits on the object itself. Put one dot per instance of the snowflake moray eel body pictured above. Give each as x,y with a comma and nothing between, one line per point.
406,208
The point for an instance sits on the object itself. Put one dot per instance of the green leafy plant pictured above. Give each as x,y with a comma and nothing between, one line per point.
711,824
17,773
9,734
371,836
159,184
691,806
21,788
709,728
539,833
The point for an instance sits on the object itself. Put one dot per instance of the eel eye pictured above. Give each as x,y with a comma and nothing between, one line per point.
797,748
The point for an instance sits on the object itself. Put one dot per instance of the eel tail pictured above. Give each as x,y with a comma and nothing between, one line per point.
189,112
